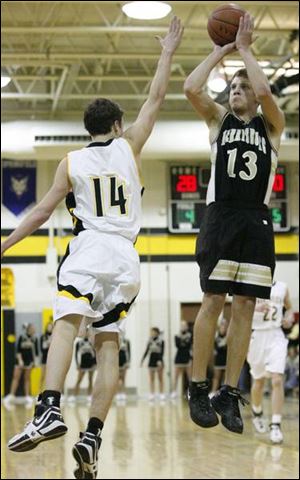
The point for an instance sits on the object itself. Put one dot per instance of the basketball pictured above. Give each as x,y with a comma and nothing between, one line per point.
223,23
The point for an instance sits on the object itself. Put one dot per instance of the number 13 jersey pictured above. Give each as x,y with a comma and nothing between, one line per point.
243,163
107,188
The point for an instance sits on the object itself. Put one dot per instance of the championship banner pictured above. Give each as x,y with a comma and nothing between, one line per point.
18,185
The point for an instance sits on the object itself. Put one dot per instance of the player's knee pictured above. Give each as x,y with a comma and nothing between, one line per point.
277,380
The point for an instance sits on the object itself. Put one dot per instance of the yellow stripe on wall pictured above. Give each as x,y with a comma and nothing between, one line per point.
2,356
145,245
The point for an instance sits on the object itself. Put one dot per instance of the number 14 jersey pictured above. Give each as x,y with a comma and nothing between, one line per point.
107,188
243,163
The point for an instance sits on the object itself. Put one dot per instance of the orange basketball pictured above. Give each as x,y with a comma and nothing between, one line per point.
223,23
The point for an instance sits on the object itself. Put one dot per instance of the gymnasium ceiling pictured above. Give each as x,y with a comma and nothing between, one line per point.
61,55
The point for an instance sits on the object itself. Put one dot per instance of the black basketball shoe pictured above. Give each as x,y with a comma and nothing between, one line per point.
85,452
226,404
201,411
46,424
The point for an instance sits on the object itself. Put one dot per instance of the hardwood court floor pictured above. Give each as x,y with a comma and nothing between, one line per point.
157,441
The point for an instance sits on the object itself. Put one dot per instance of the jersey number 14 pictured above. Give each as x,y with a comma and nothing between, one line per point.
116,194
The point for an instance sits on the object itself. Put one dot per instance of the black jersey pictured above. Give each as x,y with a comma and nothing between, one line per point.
85,354
124,352
220,350
243,163
28,348
44,346
155,348
183,343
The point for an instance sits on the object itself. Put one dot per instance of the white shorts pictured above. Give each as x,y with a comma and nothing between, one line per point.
99,278
267,352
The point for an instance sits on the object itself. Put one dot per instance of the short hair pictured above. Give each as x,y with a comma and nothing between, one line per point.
242,72
156,330
100,115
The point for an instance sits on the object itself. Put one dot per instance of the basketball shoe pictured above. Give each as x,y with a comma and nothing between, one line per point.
226,404
46,424
276,433
259,422
85,452
201,411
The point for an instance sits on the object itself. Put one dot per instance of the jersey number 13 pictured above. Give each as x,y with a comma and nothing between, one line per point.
250,164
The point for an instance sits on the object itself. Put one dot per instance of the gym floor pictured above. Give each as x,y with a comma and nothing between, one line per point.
157,440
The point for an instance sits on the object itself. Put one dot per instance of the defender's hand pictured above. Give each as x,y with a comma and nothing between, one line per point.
173,37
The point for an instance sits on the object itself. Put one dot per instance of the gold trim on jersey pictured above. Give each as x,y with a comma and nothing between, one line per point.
64,293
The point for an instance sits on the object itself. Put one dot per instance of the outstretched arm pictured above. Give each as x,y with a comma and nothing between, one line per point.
43,209
141,129
194,87
272,113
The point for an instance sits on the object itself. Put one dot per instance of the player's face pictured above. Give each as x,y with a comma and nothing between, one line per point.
242,96
31,330
184,326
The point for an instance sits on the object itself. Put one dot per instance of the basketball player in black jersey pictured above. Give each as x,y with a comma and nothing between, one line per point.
235,246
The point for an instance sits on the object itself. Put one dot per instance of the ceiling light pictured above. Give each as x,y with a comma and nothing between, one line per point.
5,81
146,10
216,82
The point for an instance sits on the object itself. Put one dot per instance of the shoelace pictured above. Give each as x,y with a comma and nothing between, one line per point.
236,397
236,393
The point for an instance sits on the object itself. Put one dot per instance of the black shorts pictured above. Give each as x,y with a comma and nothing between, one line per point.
155,361
44,357
182,358
220,358
235,251
123,361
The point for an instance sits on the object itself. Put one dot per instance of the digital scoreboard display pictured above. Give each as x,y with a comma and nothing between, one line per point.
187,201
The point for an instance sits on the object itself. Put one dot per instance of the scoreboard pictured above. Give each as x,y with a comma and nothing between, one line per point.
187,199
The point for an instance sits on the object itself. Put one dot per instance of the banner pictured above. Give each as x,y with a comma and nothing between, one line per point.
7,288
18,185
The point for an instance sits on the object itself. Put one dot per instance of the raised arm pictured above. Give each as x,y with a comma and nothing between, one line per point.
259,82
43,209
194,87
138,133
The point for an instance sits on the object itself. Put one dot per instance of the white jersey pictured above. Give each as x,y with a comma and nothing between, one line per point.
268,314
107,188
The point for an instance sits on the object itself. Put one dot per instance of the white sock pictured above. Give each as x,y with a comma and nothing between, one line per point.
276,418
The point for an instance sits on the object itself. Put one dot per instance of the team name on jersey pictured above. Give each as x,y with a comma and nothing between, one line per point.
278,299
247,135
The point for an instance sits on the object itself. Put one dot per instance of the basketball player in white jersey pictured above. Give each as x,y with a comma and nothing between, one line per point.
267,356
99,275
235,246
